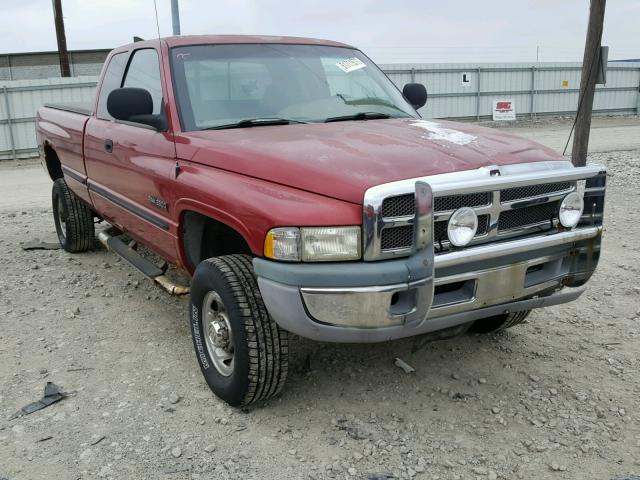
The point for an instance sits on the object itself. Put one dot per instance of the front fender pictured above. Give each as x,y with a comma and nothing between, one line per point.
253,206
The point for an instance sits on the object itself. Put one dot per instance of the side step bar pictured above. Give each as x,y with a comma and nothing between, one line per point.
140,263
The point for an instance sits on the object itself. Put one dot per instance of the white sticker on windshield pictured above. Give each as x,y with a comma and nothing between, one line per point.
349,65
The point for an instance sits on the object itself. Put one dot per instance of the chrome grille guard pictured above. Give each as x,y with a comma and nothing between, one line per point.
492,178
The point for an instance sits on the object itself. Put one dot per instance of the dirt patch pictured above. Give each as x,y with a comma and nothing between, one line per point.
558,397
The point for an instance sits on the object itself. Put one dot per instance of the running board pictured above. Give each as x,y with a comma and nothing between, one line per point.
141,264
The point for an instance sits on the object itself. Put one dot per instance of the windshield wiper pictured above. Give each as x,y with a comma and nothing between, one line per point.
359,116
371,101
255,122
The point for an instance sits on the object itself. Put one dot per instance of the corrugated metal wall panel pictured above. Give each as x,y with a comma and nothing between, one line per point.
4,138
449,96
554,87
25,97
24,135
522,103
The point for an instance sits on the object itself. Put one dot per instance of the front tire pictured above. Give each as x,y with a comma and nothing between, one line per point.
73,219
498,323
242,352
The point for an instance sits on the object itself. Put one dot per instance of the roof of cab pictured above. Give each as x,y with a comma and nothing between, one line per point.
231,39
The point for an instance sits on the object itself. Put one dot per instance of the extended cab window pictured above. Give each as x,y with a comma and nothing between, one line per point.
221,85
144,72
112,80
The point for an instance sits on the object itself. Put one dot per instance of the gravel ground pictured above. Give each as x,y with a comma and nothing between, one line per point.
556,398
608,133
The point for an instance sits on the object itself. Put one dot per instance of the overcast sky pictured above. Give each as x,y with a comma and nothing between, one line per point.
389,31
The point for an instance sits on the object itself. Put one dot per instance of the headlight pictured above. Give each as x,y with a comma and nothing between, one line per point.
462,226
313,244
571,210
322,244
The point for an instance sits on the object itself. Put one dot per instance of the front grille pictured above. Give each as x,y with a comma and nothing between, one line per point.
527,216
400,206
440,229
528,191
396,238
404,205
453,202
483,225
440,232
398,211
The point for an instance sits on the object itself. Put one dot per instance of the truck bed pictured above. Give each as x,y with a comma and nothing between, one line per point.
79,108
61,128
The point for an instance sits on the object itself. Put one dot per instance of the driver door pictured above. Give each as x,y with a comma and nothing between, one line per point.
131,166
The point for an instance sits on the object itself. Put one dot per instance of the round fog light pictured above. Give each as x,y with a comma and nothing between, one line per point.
571,210
462,226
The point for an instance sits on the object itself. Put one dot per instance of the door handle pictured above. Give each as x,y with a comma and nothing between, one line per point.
108,145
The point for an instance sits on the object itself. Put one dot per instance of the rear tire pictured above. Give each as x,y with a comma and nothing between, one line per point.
498,323
242,352
73,219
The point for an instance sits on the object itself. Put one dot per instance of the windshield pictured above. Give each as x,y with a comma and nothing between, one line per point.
222,85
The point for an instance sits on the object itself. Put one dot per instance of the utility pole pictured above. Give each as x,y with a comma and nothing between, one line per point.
63,54
175,17
590,66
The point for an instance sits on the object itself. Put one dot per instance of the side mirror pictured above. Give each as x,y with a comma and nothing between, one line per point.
416,94
134,105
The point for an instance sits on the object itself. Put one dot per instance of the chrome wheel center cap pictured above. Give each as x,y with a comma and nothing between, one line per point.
220,333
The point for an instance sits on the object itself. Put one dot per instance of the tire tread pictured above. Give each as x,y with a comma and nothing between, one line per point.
267,342
80,232
499,323
514,319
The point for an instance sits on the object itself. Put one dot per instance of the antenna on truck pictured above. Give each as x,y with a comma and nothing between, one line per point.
155,6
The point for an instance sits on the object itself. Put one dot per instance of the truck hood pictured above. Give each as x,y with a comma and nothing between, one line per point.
343,159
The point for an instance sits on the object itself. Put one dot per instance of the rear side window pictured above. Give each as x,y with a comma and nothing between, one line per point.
112,80
144,72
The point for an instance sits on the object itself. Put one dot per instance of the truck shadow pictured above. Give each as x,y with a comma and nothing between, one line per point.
353,374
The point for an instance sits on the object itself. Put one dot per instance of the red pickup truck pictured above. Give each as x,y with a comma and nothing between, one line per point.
302,192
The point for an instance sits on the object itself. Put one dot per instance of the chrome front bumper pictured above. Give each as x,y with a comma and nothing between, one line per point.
531,273
375,307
